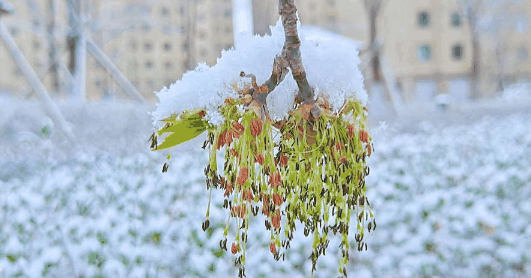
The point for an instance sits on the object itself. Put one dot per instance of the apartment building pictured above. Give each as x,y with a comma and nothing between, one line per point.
152,42
428,43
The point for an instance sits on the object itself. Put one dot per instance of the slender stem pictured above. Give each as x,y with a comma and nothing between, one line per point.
288,13
290,57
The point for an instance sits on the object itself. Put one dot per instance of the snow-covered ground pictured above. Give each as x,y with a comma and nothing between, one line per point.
450,200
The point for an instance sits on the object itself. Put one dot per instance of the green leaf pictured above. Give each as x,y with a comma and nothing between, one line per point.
182,132
189,126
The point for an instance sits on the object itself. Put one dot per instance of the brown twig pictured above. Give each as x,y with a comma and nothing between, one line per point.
290,57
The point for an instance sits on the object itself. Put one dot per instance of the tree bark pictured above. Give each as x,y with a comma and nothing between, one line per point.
72,37
474,74
191,19
52,46
288,13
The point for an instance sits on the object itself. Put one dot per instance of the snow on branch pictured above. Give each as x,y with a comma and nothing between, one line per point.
331,69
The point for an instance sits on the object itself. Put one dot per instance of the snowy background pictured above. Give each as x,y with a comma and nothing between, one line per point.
450,194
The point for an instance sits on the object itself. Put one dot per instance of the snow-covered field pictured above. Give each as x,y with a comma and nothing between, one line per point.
449,201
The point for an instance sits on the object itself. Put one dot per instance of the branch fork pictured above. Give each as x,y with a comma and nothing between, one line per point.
289,59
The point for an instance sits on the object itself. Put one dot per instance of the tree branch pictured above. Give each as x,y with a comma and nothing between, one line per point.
288,13
290,57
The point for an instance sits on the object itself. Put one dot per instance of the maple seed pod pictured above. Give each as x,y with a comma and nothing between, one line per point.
221,140
234,248
364,136
265,207
272,247
201,114
248,195
277,199
276,219
235,133
228,190
275,180
228,138
350,131
256,127
259,158
342,159
239,127
206,224
239,211
283,160
233,152
242,177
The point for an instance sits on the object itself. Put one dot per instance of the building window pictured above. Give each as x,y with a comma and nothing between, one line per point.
522,54
424,52
456,20
148,46
167,47
202,34
228,14
164,12
168,65
457,52
424,19
331,2
148,65
146,28
186,46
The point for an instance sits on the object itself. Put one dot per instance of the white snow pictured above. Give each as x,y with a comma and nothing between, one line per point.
331,64
449,201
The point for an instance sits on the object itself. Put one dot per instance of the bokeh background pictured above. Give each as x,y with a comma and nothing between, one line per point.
450,107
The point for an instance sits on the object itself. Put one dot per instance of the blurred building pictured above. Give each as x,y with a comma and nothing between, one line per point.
152,42
428,43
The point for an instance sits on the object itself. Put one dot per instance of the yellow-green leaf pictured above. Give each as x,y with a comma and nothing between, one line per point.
183,132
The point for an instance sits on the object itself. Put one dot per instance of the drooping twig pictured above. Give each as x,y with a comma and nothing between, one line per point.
290,57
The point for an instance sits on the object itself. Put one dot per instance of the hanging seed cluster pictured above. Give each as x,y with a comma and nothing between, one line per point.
314,174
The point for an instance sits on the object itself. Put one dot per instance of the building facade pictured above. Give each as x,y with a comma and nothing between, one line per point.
152,42
428,44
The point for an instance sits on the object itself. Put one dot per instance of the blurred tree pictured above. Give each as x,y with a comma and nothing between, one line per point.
482,16
52,45
373,9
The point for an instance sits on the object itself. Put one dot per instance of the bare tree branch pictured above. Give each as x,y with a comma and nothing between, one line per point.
288,13
290,57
